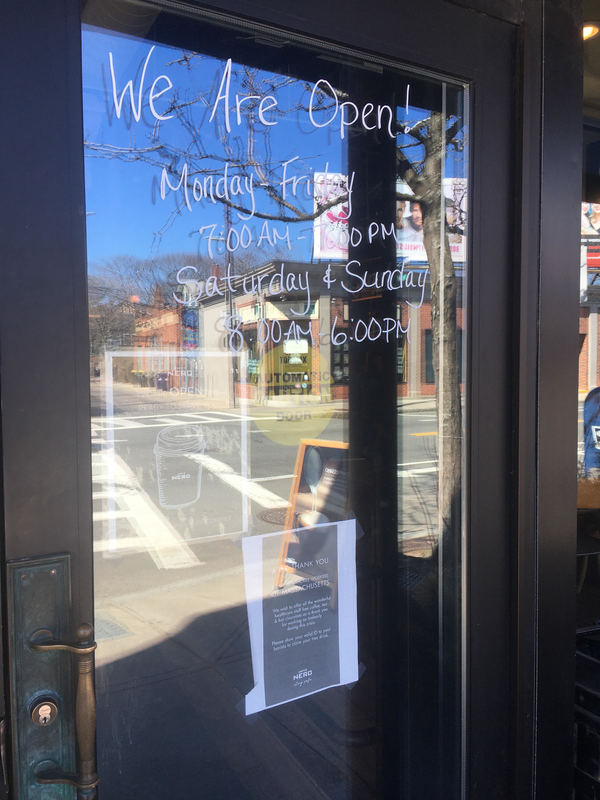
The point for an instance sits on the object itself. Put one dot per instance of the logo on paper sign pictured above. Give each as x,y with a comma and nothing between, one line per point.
302,676
596,435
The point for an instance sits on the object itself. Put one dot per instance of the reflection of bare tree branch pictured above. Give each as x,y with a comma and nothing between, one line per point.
299,216
122,153
252,155
243,157
453,130
143,154
407,173
417,130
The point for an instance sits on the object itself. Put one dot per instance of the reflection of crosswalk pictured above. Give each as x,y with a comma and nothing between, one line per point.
417,468
115,424
126,508
248,488
411,473
129,502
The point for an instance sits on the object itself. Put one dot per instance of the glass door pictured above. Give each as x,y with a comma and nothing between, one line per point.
287,262
277,266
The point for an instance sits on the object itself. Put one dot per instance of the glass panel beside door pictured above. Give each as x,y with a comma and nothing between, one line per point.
276,263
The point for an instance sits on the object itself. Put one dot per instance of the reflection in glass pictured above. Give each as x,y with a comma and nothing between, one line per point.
276,247
588,475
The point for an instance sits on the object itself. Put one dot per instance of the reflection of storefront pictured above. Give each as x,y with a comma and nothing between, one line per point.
288,368
166,332
283,345
279,334
296,347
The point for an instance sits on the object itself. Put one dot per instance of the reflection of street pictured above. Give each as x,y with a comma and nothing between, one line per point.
246,476
417,480
245,470
152,532
169,582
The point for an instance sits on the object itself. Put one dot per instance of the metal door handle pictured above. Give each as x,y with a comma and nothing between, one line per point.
82,651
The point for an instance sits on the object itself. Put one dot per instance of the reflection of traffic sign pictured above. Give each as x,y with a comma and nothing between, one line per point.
319,494
591,431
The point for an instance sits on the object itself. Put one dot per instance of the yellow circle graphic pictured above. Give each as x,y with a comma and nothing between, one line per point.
294,392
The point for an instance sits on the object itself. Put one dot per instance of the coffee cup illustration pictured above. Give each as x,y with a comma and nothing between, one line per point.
178,468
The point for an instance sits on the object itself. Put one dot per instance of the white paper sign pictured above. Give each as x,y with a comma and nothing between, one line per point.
303,633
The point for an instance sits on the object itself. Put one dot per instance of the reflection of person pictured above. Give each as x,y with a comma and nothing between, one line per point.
590,218
416,216
413,229
586,226
400,209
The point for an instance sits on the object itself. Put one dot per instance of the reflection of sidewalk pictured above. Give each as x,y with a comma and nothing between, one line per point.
182,651
424,403
131,399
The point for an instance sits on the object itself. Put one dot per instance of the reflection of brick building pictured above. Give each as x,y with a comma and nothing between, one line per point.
167,331
288,342
414,350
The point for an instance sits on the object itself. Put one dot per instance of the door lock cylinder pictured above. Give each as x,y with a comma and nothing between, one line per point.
44,712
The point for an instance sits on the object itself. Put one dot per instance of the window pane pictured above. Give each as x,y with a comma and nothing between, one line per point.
276,259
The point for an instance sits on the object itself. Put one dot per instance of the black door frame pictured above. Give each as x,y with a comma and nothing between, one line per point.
521,567
550,65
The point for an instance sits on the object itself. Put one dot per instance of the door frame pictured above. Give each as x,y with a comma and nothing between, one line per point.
519,661
551,67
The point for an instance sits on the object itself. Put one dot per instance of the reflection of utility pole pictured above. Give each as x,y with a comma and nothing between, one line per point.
230,309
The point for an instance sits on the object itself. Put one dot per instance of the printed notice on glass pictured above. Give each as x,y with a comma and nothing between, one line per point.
303,629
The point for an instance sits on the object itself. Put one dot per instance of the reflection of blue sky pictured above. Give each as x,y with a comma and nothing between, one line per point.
125,211
126,214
